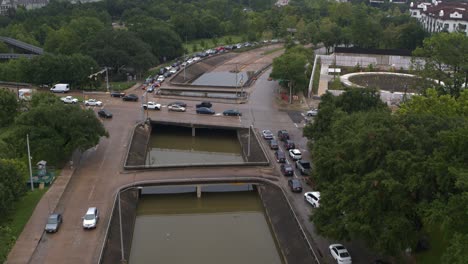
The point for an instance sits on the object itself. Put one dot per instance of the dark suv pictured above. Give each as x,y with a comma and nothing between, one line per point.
289,144
280,156
204,104
283,135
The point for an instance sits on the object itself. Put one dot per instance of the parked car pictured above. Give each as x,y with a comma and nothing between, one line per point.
130,97
92,102
150,89
280,156
303,166
176,108
283,135
295,154
313,198
267,134
273,144
152,106
104,113
312,112
295,185
91,218
289,144
232,112
286,169
69,100
204,104
178,103
117,94
161,78
340,254
205,111
53,223
173,70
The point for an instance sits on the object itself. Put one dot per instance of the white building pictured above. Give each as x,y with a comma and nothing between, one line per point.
438,16
5,5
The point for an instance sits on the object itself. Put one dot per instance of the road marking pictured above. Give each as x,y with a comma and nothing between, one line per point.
296,125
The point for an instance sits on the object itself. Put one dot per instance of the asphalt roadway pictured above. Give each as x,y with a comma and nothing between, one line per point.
98,177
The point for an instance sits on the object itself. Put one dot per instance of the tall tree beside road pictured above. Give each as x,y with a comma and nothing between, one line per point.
387,178
291,67
55,130
8,107
12,184
446,59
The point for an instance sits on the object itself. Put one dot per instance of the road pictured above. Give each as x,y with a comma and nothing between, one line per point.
100,174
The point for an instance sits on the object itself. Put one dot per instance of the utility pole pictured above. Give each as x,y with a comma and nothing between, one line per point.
29,159
290,91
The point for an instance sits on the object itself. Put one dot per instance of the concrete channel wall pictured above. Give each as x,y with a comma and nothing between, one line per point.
113,243
290,237
136,154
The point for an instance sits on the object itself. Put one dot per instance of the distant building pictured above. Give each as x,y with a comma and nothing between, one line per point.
5,5
438,16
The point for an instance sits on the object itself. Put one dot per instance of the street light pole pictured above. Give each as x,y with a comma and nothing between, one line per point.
29,159
107,79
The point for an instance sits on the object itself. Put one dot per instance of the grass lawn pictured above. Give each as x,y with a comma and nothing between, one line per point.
119,86
11,228
437,246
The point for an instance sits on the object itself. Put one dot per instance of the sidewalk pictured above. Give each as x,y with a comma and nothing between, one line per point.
32,233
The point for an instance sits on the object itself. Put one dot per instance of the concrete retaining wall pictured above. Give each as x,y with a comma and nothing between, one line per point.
112,249
136,154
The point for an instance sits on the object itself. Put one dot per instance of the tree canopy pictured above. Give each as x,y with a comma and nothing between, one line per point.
387,178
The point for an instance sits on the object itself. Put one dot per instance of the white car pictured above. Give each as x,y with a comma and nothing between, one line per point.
69,100
196,59
92,102
340,254
173,70
152,106
312,112
190,61
91,218
313,198
160,78
295,154
176,108
267,134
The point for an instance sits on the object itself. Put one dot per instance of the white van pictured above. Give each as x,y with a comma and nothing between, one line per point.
60,88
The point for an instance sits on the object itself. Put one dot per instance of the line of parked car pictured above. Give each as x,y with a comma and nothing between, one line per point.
203,108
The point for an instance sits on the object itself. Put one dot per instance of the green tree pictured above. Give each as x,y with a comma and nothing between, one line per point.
12,184
55,130
446,60
8,107
291,67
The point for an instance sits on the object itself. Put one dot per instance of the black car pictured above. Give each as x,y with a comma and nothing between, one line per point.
273,144
205,111
280,156
283,135
53,223
295,185
105,113
117,94
289,144
204,104
287,169
130,97
178,103
232,112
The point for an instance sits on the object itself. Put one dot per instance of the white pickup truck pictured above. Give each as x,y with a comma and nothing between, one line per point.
69,100
152,106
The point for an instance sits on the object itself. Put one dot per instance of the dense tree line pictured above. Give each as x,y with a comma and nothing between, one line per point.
131,36
389,179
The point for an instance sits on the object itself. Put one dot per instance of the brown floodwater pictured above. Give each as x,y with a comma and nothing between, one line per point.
216,228
170,145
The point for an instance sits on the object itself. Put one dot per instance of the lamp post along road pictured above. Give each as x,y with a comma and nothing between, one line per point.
29,159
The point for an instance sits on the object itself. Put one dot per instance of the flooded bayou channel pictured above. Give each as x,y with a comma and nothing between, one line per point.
216,228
